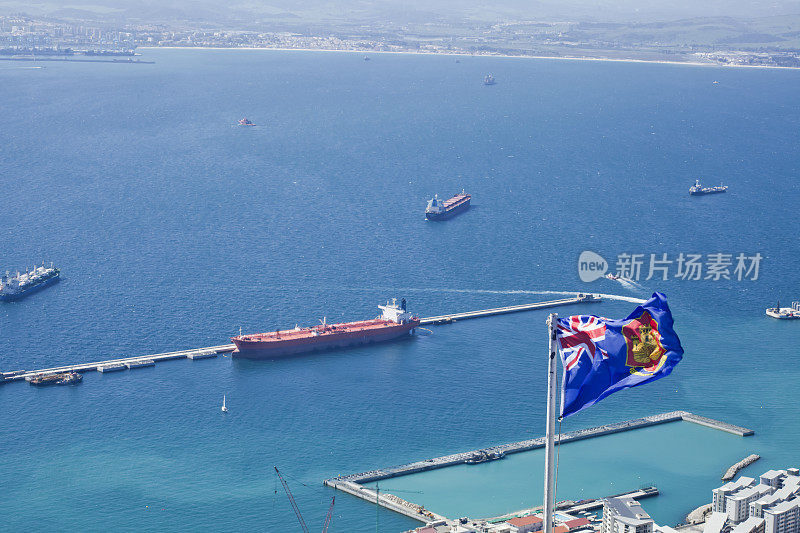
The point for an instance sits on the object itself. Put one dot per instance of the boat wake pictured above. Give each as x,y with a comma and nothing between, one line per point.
618,297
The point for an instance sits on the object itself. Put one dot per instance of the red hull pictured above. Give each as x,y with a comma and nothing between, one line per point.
293,342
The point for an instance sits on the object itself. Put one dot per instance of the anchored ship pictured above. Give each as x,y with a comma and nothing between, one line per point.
697,189
785,313
20,285
245,122
443,209
489,80
394,322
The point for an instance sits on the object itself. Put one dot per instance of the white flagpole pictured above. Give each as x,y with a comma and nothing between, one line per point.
549,464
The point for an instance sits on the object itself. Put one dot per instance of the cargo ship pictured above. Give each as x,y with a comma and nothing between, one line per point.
443,209
697,189
393,323
20,285
245,122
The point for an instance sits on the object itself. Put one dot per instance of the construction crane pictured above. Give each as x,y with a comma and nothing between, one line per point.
328,516
294,503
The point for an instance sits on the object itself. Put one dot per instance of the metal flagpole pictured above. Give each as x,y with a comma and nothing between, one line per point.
549,464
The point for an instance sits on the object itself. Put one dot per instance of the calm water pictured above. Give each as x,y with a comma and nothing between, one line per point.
173,228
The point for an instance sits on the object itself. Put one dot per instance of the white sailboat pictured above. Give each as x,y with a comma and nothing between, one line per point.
224,407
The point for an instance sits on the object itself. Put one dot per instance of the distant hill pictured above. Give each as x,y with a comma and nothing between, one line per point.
399,11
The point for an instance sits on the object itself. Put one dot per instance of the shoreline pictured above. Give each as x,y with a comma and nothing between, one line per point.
464,54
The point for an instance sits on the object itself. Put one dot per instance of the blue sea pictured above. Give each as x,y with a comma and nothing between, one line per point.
174,228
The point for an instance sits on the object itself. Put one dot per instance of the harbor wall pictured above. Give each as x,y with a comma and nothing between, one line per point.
539,442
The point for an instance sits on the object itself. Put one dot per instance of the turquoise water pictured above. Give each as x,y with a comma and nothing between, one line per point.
173,228
587,469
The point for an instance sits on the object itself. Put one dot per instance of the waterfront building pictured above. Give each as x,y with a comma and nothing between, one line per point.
783,518
737,505
526,524
625,515
773,478
751,525
720,494
715,523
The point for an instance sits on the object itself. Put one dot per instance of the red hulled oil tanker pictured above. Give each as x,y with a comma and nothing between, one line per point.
393,323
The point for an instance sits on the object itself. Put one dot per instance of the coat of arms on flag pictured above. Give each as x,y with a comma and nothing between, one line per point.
602,356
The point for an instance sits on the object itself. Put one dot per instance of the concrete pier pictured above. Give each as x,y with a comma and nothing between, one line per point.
212,351
125,362
447,319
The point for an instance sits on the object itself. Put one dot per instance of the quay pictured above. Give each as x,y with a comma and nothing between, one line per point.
539,442
750,459
212,351
571,507
447,319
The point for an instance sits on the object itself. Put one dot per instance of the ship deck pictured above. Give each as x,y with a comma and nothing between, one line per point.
455,200
303,333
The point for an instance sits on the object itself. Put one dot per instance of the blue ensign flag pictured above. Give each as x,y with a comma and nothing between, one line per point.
601,356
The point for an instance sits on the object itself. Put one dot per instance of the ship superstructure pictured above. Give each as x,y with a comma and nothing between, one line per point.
20,285
697,189
394,322
443,209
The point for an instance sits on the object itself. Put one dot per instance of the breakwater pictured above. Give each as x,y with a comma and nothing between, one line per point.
539,442
750,459
353,483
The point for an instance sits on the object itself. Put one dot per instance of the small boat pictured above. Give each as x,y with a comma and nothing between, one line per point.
366,58
61,378
612,277
483,456
245,122
784,313
489,80
224,407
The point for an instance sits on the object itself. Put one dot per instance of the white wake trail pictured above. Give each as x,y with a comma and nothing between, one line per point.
520,291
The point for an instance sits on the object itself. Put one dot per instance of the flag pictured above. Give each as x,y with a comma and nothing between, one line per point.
601,356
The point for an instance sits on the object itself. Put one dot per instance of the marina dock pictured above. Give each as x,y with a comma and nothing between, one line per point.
125,363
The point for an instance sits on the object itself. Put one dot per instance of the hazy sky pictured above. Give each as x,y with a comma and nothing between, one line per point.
405,10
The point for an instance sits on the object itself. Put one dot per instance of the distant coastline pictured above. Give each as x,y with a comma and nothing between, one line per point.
465,54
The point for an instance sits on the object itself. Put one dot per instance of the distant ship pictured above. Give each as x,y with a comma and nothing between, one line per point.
443,209
366,58
245,122
20,285
489,80
393,323
784,313
697,189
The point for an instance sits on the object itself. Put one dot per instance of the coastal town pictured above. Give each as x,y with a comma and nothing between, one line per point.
22,35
